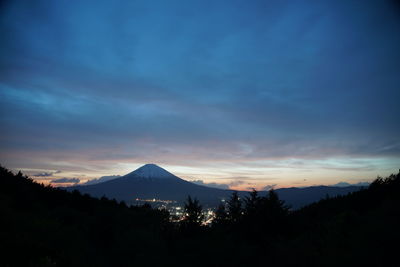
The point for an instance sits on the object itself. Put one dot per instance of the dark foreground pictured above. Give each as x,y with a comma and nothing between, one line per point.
45,226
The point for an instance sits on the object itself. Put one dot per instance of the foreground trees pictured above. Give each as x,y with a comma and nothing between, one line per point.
47,226
253,211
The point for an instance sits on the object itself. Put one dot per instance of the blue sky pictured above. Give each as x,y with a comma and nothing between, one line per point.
249,93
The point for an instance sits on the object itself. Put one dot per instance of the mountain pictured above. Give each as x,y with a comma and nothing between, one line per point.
151,181
345,184
152,171
299,197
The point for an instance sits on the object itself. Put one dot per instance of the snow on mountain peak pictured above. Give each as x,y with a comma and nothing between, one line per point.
152,171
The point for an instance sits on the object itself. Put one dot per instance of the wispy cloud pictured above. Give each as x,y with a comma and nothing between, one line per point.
212,184
102,179
269,187
65,180
45,174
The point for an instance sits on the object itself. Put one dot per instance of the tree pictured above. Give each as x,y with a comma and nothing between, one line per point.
193,213
252,203
275,205
273,211
234,208
220,215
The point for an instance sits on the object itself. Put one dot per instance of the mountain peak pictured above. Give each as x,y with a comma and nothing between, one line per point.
152,171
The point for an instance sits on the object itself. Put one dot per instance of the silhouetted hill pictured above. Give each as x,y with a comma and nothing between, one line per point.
299,197
45,226
357,229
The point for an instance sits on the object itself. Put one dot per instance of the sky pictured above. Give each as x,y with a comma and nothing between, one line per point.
240,94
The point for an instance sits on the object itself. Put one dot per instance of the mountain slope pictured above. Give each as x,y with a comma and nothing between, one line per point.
299,197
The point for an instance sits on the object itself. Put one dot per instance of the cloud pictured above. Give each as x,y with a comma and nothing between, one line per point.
45,174
65,180
236,183
220,185
250,188
102,179
269,187
257,81
214,185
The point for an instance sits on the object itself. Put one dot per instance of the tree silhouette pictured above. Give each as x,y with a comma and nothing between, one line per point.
234,208
252,203
273,212
193,213
221,216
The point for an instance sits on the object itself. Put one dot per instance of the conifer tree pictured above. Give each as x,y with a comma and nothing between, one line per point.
234,208
193,212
